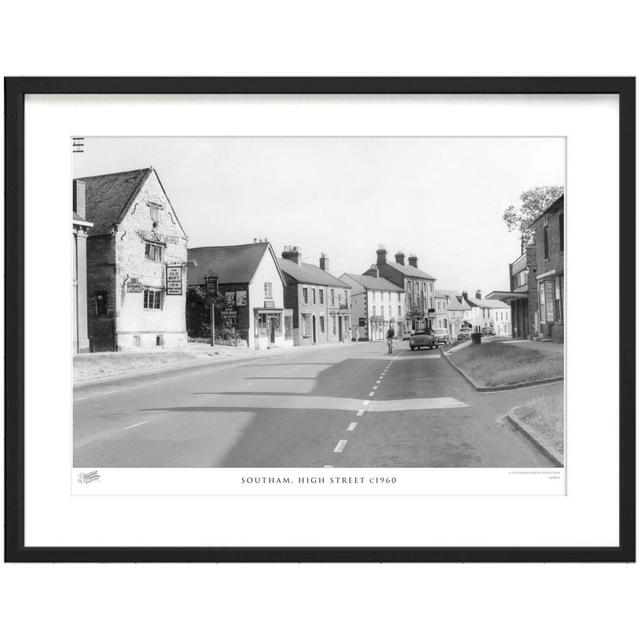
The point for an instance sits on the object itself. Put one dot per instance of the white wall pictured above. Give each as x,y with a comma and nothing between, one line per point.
267,271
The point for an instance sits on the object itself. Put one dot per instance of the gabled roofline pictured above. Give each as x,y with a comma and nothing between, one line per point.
125,210
269,248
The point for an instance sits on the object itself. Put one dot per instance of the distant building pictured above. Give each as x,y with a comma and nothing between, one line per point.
320,302
419,286
523,294
80,321
376,305
548,232
489,315
136,258
251,293
452,311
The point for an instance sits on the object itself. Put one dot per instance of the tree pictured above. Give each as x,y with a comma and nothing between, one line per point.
533,203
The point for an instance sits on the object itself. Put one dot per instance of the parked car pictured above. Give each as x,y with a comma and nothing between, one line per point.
423,338
406,334
488,331
442,335
464,334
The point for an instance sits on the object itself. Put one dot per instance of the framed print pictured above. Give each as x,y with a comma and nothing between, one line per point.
320,319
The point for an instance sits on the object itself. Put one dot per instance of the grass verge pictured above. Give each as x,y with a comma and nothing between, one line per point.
544,416
494,364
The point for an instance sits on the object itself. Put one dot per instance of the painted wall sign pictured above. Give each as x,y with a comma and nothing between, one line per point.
156,236
134,285
174,281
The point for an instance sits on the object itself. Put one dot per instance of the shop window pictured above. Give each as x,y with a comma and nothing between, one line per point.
152,299
268,290
333,325
153,251
321,324
549,300
102,306
305,295
558,299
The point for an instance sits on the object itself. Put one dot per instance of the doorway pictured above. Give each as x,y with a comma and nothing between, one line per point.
340,337
314,329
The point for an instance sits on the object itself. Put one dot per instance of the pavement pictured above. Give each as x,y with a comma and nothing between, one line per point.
350,406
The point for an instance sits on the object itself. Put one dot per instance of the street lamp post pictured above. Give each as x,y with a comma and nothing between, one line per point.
211,283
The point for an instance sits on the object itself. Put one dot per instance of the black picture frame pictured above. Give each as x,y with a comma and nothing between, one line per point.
15,91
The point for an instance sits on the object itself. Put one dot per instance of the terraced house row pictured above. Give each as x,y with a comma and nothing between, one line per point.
137,285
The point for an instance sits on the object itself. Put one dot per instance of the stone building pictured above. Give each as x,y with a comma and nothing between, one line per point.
80,321
136,259
548,233
319,301
376,305
251,284
418,285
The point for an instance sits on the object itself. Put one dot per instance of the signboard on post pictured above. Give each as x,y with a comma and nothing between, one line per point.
174,280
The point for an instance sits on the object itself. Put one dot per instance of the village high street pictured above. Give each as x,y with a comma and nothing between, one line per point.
341,406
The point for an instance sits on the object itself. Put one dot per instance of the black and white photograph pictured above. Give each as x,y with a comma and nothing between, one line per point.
318,303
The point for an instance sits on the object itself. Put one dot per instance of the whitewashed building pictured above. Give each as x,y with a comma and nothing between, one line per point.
136,262
376,305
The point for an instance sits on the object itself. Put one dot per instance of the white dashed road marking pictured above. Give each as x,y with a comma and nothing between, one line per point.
371,393
365,402
360,412
340,446
139,424
352,426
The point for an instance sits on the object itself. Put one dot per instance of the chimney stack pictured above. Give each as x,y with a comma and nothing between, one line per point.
478,294
400,257
324,262
465,296
292,253
81,203
413,261
381,254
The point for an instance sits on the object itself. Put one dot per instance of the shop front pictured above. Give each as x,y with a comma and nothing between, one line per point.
269,327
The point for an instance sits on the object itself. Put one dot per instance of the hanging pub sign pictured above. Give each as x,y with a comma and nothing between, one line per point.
134,285
174,280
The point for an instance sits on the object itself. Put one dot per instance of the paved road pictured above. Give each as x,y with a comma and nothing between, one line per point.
343,406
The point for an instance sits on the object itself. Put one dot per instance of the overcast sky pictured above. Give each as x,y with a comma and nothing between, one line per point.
440,198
